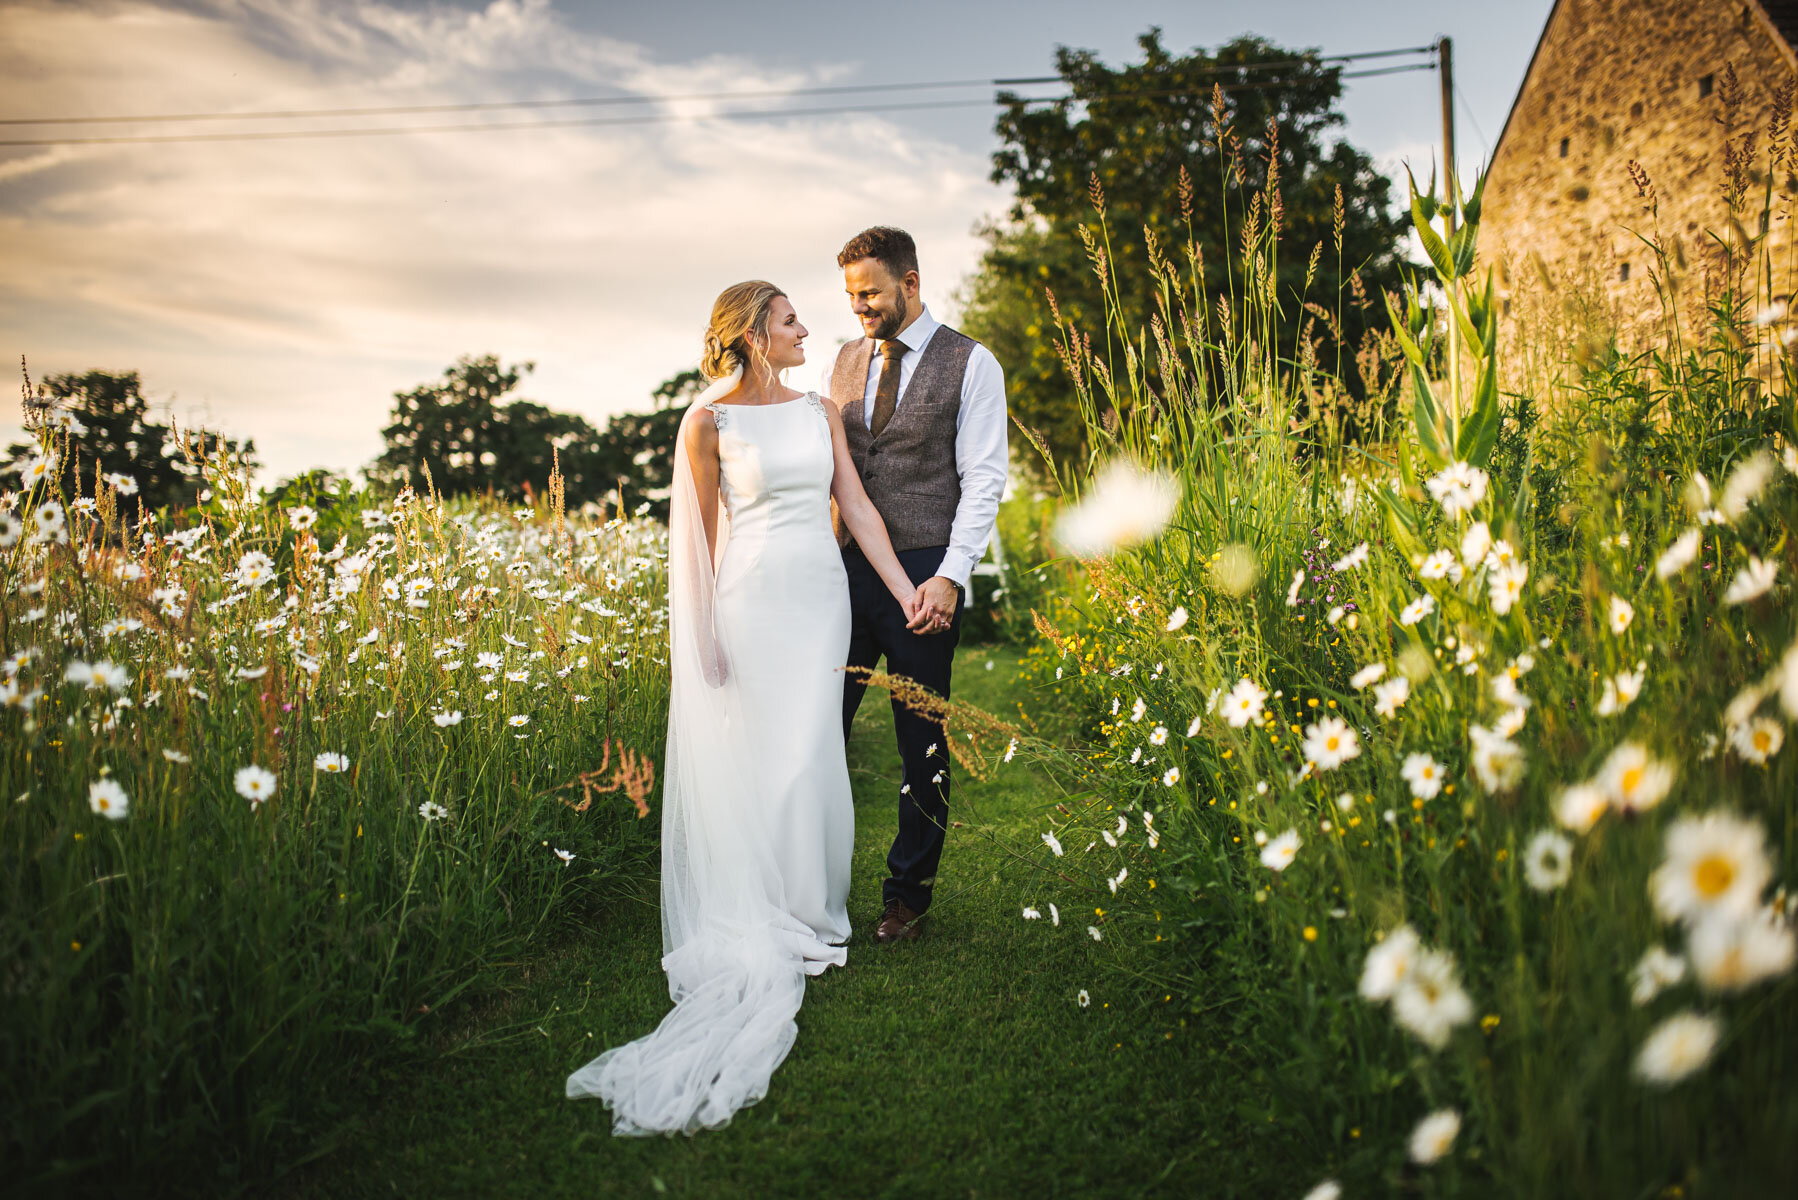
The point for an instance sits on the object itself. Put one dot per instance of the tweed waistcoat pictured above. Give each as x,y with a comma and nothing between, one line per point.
909,470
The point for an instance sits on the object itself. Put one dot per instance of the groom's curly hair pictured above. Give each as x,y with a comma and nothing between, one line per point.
893,248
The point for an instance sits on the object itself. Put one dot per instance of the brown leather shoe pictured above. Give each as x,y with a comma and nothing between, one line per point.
897,924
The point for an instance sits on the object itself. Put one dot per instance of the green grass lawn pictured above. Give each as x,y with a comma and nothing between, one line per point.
960,1064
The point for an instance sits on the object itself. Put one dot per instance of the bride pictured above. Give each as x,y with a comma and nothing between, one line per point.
757,821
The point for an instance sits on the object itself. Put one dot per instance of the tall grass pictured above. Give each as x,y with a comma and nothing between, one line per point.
1442,905
280,785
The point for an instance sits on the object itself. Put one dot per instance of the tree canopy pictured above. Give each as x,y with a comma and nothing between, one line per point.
114,432
474,434
1224,119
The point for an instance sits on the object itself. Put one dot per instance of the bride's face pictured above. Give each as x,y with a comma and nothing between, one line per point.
786,336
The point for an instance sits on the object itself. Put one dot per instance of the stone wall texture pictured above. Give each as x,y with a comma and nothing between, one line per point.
1616,80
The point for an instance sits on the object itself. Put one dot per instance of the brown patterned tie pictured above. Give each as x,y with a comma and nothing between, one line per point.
886,392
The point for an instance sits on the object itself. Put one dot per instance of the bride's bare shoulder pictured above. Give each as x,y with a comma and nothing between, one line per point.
701,425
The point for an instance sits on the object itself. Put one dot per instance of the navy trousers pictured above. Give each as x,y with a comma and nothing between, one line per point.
877,628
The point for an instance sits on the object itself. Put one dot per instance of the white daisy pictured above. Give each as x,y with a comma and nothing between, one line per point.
1745,485
1244,703
1504,587
1730,953
1619,613
1125,506
445,720
1330,742
1476,543
1579,806
1440,565
1654,973
1292,593
1082,998
1678,556
1679,1046
1370,674
1352,559
1633,780
1171,777
1497,760
1177,619
1620,691
254,784
1751,582
1278,854
1458,487
1424,774
1417,610
1390,696
107,797
1547,861
331,763
1389,963
1430,1003
1053,843
1715,863
1434,1136
1758,739
430,810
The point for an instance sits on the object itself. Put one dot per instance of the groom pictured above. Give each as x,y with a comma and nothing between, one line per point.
924,414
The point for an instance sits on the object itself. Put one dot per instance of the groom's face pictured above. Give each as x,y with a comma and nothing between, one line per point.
882,301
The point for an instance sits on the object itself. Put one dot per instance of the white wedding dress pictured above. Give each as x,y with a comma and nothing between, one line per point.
757,821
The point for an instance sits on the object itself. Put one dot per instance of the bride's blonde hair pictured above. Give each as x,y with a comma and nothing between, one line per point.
739,319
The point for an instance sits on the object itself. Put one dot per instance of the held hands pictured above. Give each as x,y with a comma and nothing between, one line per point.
932,606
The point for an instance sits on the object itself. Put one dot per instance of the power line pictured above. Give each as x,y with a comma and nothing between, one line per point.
671,118
611,101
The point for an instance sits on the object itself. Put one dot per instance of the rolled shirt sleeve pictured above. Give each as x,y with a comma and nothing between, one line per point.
982,459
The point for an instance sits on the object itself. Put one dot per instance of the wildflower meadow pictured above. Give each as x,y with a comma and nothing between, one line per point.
1434,739
282,780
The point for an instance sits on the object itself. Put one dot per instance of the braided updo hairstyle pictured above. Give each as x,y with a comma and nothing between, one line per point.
739,320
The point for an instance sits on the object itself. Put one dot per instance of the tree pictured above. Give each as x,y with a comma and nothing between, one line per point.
474,436
113,431
635,451
1136,129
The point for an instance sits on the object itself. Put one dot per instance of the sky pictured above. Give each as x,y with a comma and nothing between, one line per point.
285,289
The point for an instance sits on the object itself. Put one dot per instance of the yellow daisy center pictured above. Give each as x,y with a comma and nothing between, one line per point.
1632,779
1713,875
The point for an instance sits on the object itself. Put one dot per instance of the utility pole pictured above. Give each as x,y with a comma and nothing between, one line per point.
1445,75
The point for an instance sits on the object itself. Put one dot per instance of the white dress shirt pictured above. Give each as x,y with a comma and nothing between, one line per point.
982,443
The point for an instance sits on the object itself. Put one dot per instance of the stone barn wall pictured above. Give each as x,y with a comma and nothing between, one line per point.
1616,80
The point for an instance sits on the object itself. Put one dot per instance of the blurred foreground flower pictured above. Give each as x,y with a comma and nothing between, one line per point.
107,797
1680,1045
1236,569
1125,507
1435,1135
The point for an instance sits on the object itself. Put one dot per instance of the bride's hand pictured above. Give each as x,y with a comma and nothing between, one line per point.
910,606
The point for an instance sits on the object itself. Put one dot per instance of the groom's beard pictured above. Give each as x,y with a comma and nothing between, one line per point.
890,324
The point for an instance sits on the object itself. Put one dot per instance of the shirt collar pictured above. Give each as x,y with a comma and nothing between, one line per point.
917,334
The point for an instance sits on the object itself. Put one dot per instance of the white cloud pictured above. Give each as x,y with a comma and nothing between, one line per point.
284,289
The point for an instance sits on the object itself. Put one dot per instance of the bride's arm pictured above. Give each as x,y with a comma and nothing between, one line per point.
702,457
862,519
